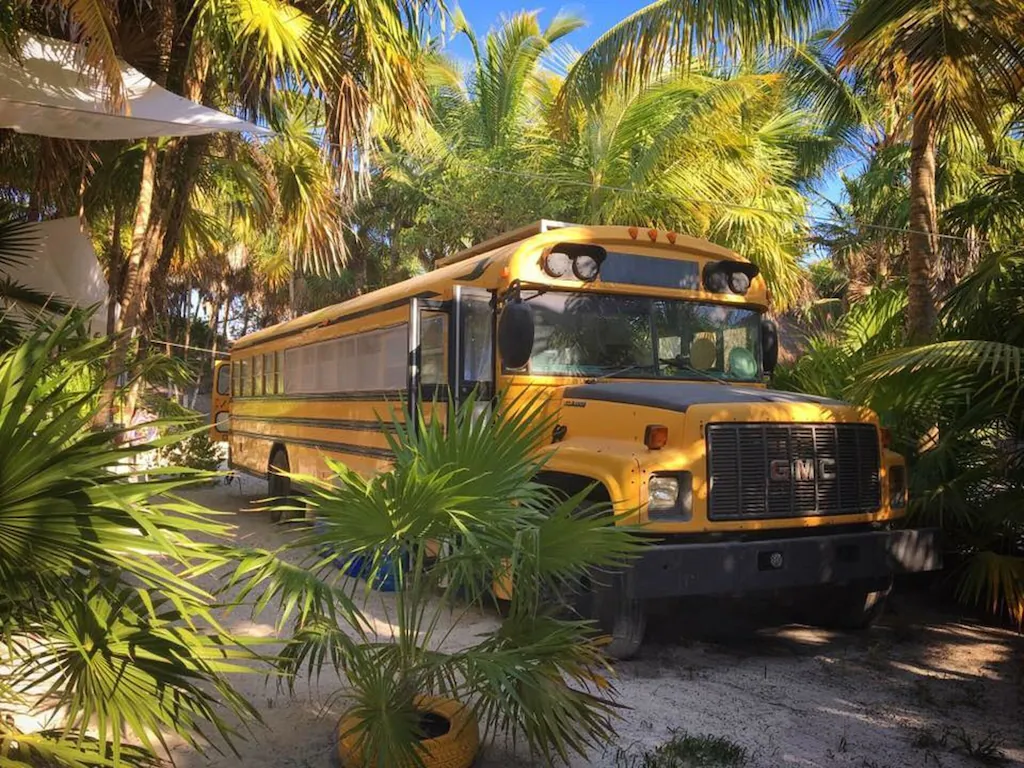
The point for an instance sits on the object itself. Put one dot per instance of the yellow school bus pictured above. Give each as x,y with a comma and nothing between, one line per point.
653,351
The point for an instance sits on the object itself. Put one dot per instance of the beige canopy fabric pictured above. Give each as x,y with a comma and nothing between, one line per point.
50,93
64,265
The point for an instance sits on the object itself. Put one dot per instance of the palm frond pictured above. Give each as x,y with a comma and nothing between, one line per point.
123,643
18,237
97,30
677,32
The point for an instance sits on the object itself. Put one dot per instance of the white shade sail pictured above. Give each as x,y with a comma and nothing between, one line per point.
64,265
51,93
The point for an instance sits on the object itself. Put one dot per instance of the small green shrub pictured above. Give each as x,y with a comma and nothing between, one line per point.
195,451
686,751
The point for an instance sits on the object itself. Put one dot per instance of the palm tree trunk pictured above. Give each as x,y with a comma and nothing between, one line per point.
114,271
921,312
136,280
140,268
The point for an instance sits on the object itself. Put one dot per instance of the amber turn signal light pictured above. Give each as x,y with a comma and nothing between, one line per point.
655,436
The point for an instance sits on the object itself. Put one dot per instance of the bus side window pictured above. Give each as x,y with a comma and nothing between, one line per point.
236,379
246,377
477,346
257,375
268,374
279,372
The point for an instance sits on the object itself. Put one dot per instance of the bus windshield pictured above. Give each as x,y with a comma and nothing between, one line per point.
580,334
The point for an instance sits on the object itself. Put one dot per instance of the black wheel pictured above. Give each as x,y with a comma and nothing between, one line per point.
604,598
622,618
279,488
854,607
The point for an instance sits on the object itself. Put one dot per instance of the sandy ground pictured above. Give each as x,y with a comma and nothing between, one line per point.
915,691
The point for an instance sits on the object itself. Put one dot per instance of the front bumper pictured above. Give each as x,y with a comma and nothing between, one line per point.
740,567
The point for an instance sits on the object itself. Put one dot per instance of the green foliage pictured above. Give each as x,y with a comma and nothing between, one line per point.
835,352
465,491
194,450
98,618
956,407
686,751
711,152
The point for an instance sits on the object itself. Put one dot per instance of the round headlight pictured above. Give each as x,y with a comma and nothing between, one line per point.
739,282
557,263
585,267
716,281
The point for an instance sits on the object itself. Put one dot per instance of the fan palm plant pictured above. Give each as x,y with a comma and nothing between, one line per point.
104,635
459,507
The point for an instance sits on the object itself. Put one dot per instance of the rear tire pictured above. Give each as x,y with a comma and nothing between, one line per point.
279,488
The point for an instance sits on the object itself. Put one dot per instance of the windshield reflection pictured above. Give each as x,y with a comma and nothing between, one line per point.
592,335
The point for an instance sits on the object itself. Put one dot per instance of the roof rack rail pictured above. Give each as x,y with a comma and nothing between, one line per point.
512,236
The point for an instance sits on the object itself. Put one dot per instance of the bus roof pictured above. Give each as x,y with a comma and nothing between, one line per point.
470,263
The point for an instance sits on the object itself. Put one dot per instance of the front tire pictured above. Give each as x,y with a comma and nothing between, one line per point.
626,627
621,619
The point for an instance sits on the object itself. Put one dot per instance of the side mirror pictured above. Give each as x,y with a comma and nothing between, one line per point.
769,345
515,334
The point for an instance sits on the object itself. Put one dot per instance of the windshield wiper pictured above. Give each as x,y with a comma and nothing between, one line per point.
679,365
613,374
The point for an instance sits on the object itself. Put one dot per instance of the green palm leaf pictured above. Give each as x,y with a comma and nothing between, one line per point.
94,569
677,32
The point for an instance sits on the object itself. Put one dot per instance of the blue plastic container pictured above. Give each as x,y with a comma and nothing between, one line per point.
385,576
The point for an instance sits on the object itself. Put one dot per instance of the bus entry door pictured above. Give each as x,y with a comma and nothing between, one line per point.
429,359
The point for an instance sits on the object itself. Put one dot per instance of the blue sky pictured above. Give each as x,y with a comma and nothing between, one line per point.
599,15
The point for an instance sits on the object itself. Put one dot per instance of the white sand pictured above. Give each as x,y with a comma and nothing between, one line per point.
790,695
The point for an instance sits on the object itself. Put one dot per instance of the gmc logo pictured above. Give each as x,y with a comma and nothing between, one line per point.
801,469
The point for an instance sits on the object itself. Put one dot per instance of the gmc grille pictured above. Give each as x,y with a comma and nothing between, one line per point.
792,470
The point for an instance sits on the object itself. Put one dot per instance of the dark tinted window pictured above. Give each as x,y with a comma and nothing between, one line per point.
649,270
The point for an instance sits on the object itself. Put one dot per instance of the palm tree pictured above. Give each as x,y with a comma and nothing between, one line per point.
506,77
721,157
356,60
100,626
960,62
716,154
957,62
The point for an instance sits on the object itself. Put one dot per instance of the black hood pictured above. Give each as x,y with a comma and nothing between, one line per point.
678,396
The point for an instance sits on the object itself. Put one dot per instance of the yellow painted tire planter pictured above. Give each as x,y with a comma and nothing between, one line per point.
456,748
